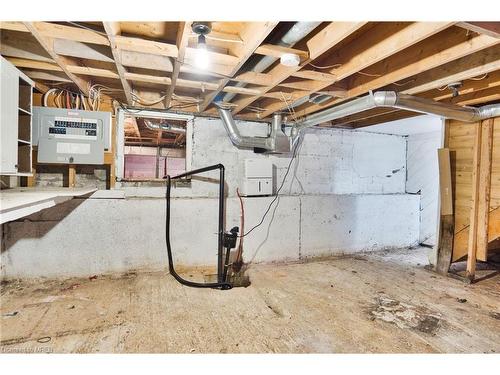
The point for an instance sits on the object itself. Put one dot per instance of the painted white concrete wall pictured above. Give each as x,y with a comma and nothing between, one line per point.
93,236
423,177
346,194
329,162
424,137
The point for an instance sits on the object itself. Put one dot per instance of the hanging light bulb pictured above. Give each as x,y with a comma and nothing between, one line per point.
201,29
202,53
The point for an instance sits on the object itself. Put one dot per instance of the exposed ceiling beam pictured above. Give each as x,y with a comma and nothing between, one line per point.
331,35
47,43
113,30
487,28
376,45
277,51
253,35
183,33
468,86
467,67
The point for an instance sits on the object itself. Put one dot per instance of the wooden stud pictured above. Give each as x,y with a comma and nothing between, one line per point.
71,175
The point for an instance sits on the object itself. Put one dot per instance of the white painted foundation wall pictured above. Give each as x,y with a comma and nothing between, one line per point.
347,195
424,137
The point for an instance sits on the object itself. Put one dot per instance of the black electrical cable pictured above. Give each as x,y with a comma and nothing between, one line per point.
277,192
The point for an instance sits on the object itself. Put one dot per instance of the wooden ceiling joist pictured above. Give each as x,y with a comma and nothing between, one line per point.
374,46
253,35
342,59
47,43
320,43
183,33
488,28
113,30
474,65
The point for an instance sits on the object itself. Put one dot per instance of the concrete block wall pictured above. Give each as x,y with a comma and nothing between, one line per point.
345,194
93,236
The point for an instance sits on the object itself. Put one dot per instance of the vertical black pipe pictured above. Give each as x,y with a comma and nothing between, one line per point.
220,266
220,253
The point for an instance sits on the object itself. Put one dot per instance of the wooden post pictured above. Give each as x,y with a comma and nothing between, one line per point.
71,175
481,186
447,218
473,222
483,209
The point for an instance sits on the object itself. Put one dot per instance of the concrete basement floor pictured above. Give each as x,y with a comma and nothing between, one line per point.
379,302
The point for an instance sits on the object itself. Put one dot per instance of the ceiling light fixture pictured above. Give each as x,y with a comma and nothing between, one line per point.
290,59
201,29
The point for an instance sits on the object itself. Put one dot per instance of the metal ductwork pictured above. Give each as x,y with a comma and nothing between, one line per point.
164,127
276,142
279,142
391,99
296,33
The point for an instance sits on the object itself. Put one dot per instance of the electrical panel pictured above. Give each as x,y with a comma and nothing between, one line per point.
70,136
256,178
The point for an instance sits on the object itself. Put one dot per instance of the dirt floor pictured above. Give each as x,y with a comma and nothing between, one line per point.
380,302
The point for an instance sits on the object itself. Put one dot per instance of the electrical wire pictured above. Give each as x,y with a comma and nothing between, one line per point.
404,83
479,79
326,66
277,193
369,74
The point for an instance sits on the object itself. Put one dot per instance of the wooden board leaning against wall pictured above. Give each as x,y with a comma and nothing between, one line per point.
109,156
475,173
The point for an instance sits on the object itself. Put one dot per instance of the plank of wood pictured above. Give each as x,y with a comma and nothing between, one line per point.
146,46
94,72
474,218
315,75
445,243
47,43
431,55
484,185
330,36
447,218
445,186
460,244
71,175
24,46
81,50
374,46
34,64
277,51
474,65
487,28
253,35
183,33
424,56
112,31
53,30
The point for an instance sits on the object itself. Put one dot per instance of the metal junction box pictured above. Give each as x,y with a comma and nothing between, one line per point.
69,136
256,177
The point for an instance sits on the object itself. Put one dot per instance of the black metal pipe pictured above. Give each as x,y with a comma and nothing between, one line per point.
221,283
